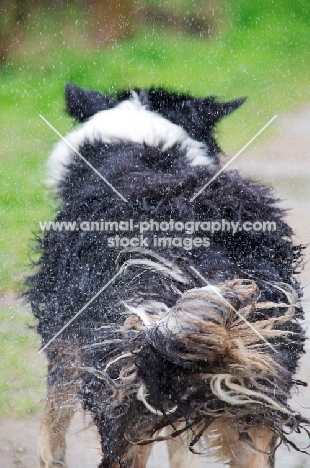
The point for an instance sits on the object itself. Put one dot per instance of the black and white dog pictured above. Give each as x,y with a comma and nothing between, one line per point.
160,310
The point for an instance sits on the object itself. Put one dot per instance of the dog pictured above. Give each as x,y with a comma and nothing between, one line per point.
159,309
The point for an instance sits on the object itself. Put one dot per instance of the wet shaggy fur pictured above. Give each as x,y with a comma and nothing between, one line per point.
160,348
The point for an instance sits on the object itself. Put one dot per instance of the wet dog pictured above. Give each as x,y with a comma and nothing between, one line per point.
166,294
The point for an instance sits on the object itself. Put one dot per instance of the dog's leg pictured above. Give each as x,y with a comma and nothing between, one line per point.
265,440
142,456
180,456
52,439
242,454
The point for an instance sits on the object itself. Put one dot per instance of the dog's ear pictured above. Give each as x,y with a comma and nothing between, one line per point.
221,109
82,104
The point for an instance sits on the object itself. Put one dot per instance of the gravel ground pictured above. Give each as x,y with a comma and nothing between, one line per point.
284,162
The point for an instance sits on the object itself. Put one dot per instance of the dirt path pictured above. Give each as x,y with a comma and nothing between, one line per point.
283,161
18,443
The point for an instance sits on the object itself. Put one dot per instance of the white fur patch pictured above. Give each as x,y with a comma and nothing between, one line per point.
129,121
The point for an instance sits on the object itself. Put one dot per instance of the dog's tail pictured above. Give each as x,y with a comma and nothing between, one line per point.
197,329
228,337
216,324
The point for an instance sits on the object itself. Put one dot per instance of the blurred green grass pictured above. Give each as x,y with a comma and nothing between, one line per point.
261,52
22,370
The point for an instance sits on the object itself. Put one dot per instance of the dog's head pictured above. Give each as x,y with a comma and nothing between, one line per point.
154,118
197,116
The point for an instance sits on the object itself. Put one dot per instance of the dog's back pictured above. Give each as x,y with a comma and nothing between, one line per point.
192,316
